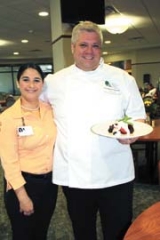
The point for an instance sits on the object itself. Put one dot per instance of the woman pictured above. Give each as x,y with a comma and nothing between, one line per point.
27,140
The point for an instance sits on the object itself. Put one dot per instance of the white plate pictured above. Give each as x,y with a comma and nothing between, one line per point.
140,129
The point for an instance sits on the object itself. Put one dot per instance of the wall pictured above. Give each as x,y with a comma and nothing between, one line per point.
144,61
147,62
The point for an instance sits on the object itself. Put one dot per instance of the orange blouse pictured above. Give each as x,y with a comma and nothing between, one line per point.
33,153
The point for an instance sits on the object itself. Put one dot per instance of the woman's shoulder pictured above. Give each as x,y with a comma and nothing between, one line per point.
46,109
7,113
11,112
44,105
7,117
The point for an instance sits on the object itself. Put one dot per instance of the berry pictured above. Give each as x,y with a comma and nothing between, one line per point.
123,131
130,127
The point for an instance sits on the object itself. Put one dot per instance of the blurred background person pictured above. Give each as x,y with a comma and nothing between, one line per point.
150,90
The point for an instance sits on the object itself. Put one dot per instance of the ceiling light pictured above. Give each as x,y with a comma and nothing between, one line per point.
16,53
31,31
116,23
107,42
24,41
43,14
4,42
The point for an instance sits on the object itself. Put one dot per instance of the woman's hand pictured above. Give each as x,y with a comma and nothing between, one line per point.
26,204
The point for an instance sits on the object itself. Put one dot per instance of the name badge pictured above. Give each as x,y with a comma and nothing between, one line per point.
25,131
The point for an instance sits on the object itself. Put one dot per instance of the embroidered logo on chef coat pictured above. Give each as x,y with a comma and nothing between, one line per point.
110,88
107,84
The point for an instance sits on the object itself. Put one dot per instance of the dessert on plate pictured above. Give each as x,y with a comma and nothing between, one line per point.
124,126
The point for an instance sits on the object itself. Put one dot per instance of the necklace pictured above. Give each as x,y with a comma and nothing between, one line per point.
30,109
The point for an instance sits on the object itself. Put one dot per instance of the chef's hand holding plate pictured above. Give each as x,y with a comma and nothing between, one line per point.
128,140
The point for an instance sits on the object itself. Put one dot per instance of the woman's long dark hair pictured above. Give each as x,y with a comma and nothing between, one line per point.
29,65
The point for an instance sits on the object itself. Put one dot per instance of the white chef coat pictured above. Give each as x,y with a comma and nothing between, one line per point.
81,99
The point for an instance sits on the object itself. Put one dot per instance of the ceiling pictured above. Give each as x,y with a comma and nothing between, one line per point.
143,32
19,20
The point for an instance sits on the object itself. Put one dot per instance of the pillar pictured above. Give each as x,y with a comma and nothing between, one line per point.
61,38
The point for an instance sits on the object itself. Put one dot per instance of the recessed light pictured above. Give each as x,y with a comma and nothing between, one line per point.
24,41
105,53
16,53
43,14
4,42
107,42
31,31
